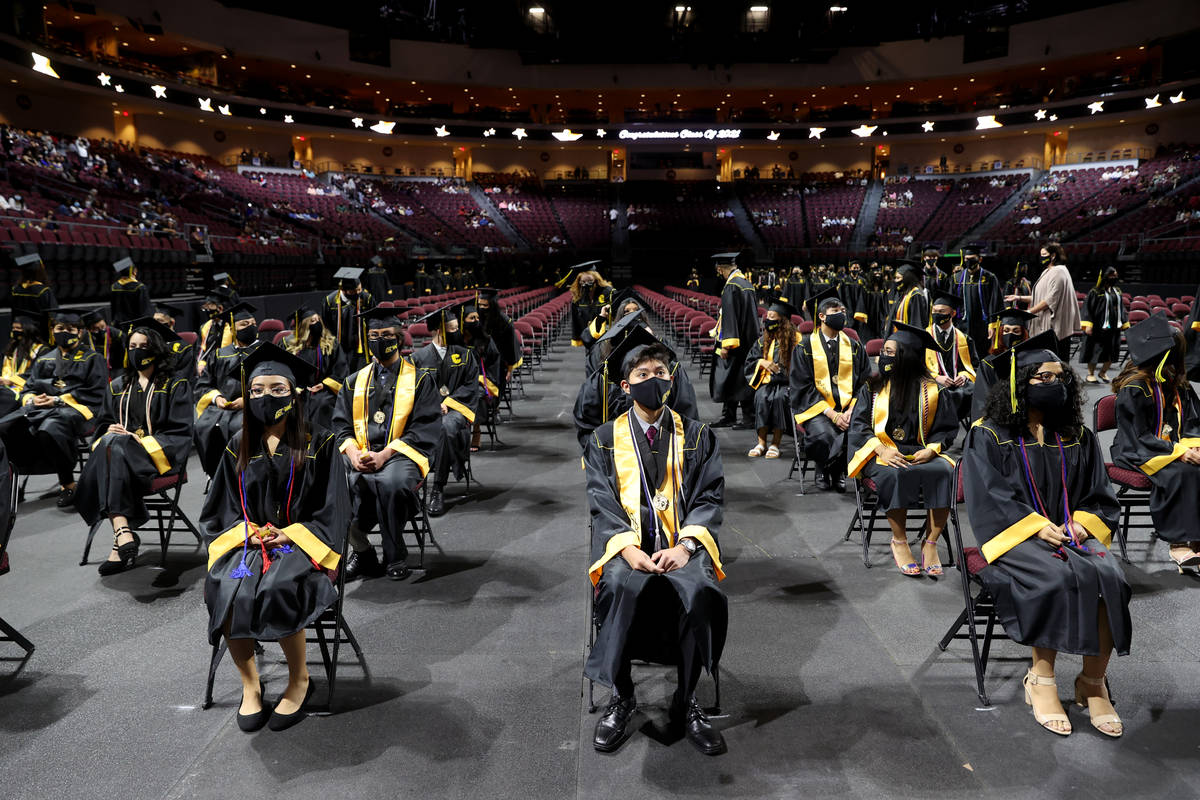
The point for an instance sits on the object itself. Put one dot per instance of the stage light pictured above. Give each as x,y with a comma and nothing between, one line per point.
1096,107
206,104
42,64
759,9
519,133
1178,98
160,92
927,126
773,136
837,9
105,79
357,122
441,131
1040,114
566,135
537,11
815,133
985,122
864,131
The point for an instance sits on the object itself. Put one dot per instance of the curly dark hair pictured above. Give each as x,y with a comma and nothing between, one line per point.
999,407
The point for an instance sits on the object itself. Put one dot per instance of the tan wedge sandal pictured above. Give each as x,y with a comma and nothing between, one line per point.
1086,702
1032,679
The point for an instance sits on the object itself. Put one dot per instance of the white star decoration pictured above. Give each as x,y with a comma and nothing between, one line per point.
1096,107
120,89
600,132
1153,102
1041,114
159,91
262,111
489,132
815,133
357,122
864,130
104,78
42,64
288,118
1177,98
927,126
986,122
206,104
520,133
1054,117
773,136
225,112
383,127
441,131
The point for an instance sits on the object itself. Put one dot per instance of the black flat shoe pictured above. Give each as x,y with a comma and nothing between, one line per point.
437,505
66,498
612,727
126,553
698,729
823,481
839,484
363,564
281,722
399,572
250,723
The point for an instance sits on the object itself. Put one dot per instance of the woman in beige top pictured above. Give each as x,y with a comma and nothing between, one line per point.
1053,300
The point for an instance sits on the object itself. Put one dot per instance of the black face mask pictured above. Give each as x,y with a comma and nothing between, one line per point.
1046,261
66,340
1010,339
246,335
475,329
350,291
213,313
772,325
315,329
454,338
384,347
1049,398
973,265
270,409
886,364
140,358
836,321
650,393
940,319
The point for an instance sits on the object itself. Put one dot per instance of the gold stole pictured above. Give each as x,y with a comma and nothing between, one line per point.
761,376
964,353
845,376
879,416
402,402
629,477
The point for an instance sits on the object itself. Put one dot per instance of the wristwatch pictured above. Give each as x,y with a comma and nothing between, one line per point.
689,544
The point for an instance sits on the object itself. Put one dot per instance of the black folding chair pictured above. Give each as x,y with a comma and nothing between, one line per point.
1133,487
867,519
979,609
799,457
328,629
162,503
7,632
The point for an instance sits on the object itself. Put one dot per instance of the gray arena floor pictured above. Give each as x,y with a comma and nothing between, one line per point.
832,682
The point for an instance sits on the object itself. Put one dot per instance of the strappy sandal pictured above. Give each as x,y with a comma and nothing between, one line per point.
1183,558
126,553
911,569
1102,719
756,451
772,451
1092,379
1032,679
932,570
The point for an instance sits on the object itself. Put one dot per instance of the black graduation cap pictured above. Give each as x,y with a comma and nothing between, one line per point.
122,266
725,258
573,271
377,261
971,250
380,317
911,267
637,339
219,296
944,298
220,277
818,302
303,312
1015,316
174,312
151,323
348,274
622,326
242,310
1150,339
29,263
783,308
624,296
489,293
90,318
436,320
932,247
911,336
67,316
1036,350
270,359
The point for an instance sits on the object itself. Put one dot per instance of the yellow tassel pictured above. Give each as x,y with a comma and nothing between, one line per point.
1158,372
1012,381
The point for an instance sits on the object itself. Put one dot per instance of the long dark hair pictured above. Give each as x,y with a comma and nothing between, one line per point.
164,360
908,373
1131,372
31,335
999,404
785,334
295,432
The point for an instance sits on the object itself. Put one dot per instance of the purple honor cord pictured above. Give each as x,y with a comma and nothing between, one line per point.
1037,497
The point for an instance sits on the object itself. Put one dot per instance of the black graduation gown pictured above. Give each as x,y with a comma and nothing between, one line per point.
1141,446
982,302
491,374
985,376
600,400
129,300
457,377
586,323
110,344
771,403
423,284
690,632
16,365
1102,318
911,308
118,474
1045,598
875,304
340,319
854,295
823,442
31,299
928,485
215,427
737,328
948,360
295,588
796,292
377,283
388,497
214,334
183,360
331,369
1191,335
41,440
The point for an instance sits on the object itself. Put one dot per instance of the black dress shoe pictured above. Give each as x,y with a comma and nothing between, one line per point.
698,729
840,484
611,728
364,564
744,425
398,571
437,505
126,557
66,498
281,722
254,722
724,422
823,481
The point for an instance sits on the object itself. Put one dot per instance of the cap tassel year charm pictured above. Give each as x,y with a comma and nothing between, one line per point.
379,417
661,503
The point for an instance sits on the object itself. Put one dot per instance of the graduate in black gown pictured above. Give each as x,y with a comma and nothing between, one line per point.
129,299
275,519
1102,318
828,369
599,398
224,283
311,342
953,359
455,372
655,490
853,291
1043,512
501,331
423,282
340,312
935,280
795,288
491,369
982,297
143,431
31,296
25,343
105,339
767,366
736,330
902,426
387,423
183,354
909,304
376,281
62,394
218,390
1158,433
590,293
1012,328
217,329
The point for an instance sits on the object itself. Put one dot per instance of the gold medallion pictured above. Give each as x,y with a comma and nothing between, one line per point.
60,384
898,434
445,392
661,503
379,417
1167,429
139,433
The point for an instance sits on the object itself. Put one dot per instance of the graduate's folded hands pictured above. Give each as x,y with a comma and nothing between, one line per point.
671,559
637,559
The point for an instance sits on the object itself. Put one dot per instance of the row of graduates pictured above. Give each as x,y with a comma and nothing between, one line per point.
32,297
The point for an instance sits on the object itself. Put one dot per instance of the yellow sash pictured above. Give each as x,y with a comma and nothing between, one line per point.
402,402
845,376
629,478
879,416
964,353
